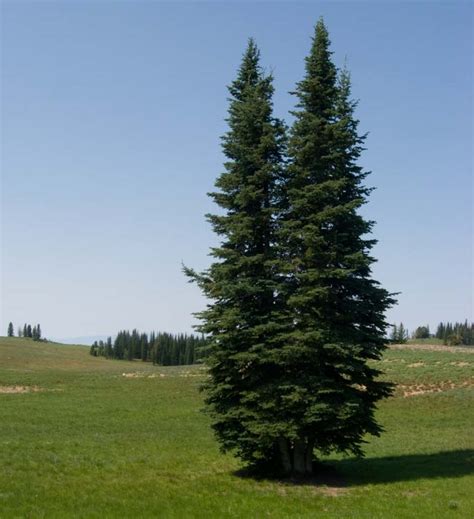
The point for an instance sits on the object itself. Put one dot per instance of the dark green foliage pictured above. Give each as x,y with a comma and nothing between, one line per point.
29,331
456,334
422,332
161,348
144,346
242,283
295,315
94,350
399,334
10,331
36,333
326,391
109,350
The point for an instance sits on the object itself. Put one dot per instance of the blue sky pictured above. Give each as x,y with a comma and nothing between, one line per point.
111,118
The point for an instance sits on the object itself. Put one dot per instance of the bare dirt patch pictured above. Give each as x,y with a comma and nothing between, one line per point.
432,347
10,390
409,390
142,375
332,491
415,365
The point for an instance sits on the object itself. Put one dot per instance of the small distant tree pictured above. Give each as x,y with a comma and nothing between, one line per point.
29,331
394,334
144,346
422,332
38,331
34,334
402,335
10,330
20,331
109,352
94,349
25,330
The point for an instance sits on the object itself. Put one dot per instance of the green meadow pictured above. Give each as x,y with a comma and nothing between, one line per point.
88,437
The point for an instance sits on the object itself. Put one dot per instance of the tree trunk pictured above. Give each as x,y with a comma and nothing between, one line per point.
284,446
299,461
309,457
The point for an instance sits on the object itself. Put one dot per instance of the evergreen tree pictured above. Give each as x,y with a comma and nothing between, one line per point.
291,335
440,331
109,351
20,331
94,349
422,332
402,335
326,392
38,331
394,334
10,331
144,346
25,331
242,281
29,331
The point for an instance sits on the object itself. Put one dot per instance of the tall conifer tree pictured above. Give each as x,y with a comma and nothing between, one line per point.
10,332
241,283
328,392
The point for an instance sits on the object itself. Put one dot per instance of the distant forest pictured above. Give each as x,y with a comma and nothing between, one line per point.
166,349
452,334
456,334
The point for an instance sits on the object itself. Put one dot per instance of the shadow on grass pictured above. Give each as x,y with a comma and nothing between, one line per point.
409,467
390,469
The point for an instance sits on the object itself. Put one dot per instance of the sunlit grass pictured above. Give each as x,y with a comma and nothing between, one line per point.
103,438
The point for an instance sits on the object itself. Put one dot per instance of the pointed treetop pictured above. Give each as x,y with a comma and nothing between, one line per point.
317,90
250,72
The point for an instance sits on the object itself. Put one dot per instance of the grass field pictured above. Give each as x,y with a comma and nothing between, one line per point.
88,437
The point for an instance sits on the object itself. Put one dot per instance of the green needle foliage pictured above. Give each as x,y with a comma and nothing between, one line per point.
336,310
294,315
243,281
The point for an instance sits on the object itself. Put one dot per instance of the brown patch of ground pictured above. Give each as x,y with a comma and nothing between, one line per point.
415,365
331,491
19,389
432,347
142,375
439,387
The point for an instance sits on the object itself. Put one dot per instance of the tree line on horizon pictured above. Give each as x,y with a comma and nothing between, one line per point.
28,331
452,334
456,334
165,349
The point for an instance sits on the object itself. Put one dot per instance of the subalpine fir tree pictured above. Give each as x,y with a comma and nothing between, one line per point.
242,282
402,335
10,330
25,331
144,346
394,334
327,392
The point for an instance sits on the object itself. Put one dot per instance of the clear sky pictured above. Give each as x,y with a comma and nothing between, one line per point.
111,118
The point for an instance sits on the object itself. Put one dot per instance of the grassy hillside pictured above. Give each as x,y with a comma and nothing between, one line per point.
89,437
